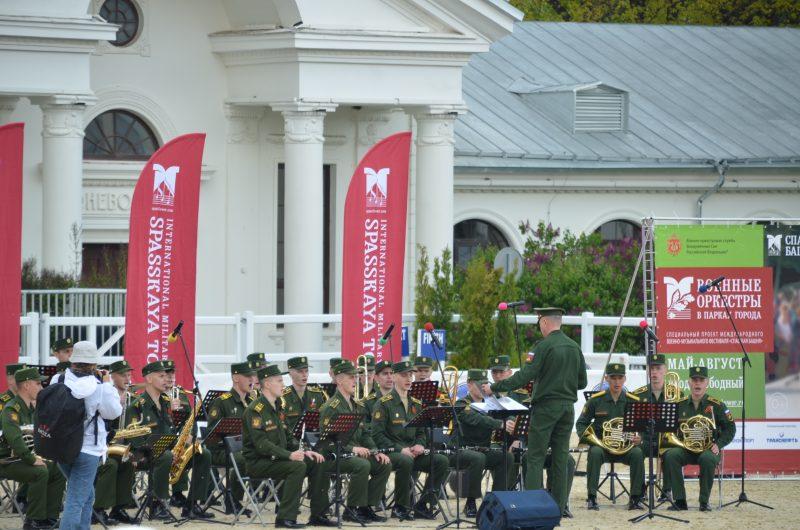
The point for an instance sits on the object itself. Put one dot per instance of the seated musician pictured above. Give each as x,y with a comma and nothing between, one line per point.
270,450
603,407
18,461
232,405
300,396
384,384
368,469
153,407
423,367
391,413
477,429
711,425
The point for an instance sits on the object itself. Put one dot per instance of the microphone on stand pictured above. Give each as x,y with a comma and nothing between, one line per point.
177,331
502,306
387,335
646,328
434,338
713,283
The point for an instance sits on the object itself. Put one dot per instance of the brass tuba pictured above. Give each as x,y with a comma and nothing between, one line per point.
695,435
183,451
614,439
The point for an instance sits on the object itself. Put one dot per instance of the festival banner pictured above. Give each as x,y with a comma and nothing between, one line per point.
162,257
11,138
709,246
692,321
374,250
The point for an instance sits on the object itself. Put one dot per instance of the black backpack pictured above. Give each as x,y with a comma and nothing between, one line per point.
58,423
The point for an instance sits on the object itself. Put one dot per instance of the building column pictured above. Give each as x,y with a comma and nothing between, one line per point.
303,223
434,181
62,179
7,105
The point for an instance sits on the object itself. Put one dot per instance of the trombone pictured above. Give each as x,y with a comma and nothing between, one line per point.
450,393
362,388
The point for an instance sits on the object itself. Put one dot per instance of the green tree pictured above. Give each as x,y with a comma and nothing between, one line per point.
435,300
477,305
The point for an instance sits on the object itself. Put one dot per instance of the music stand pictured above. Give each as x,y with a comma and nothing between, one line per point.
179,417
339,430
158,443
225,427
504,415
425,391
211,395
45,370
653,418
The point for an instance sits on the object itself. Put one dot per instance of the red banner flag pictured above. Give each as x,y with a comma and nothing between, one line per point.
11,137
162,257
374,249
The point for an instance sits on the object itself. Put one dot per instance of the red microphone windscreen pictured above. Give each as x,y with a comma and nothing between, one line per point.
502,306
428,326
643,324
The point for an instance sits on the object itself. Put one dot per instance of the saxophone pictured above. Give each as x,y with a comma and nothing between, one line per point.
183,451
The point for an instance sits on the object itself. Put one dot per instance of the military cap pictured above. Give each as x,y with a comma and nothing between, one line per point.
258,357
383,365
549,311
421,360
344,367
11,369
658,358
334,361
403,366
62,344
268,371
698,371
500,362
245,368
615,369
169,365
28,374
153,367
370,363
477,376
119,367
62,365
298,363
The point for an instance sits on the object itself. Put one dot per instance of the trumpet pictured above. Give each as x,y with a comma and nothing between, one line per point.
450,382
362,388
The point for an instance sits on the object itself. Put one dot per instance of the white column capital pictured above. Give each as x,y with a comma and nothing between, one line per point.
303,127
243,123
435,129
372,126
62,120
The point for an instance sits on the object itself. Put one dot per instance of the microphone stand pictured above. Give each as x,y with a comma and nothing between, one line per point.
745,359
516,337
458,432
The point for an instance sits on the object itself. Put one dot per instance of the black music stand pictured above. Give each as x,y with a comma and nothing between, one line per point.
503,415
211,395
653,418
425,391
158,443
179,417
225,427
309,418
339,430
45,370
521,427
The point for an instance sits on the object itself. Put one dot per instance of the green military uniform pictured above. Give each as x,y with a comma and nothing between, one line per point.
675,458
258,357
8,395
559,371
186,408
146,411
267,444
388,419
230,405
377,393
601,408
368,477
45,483
293,405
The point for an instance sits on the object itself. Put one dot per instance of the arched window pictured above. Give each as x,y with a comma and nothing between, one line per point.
118,135
126,15
619,230
470,236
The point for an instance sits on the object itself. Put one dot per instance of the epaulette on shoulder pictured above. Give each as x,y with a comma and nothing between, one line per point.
5,398
387,397
633,396
333,402
684,398
598,394
521,391
640,390
15,406
714,400
415,400
165,397
371,396
316,388
226,395
287,390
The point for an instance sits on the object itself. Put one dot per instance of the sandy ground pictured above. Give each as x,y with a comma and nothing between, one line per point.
783,495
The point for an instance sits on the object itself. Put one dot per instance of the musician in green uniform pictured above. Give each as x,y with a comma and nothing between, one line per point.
333,361
62,350
115,478
232,404
657,394
17,460
270,450
11,383
368,469
179,402
383,385
477,429
388,418
153,407
299,396
603,407
559,371
258,357
424,368
721,430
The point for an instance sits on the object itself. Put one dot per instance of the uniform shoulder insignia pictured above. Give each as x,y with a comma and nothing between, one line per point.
598,394
415,400
226,395
371,396
684,398
714,400
15,406
633,396
315,388
387,397
5,398
287,390
640,390
259,407
334,402
165,397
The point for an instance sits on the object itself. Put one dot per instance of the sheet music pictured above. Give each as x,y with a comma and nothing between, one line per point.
492,403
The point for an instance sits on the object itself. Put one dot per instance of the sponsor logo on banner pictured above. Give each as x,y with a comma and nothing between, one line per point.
164,184
774,244
679,296
674,245
767,435
377,187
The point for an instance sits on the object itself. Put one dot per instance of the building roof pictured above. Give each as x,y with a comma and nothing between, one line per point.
695,94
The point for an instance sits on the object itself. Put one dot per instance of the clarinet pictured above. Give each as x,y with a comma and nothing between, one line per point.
372,452
301,446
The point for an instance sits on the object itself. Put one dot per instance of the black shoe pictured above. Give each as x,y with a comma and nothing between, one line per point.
566,513
470,510
421,512
591,503
288,523
664,497
351,515
679,506
195,512
120,515
100,517
704,507
635,503
369,514
36,524
160,512
402,513
178,500
321,520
